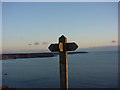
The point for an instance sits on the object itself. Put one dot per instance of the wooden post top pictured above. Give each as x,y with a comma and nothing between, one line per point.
63,45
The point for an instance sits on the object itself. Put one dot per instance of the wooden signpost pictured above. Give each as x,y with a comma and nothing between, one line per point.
62,47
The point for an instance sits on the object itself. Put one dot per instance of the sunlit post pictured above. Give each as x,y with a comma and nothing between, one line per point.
62,47
63,55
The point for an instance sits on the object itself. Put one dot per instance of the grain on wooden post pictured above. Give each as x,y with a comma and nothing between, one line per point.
63,55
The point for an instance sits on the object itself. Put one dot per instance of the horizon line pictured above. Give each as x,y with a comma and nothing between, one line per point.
117,46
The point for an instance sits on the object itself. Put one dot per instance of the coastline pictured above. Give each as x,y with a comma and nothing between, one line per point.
33,55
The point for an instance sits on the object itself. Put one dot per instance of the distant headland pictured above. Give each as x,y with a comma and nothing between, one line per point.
33,55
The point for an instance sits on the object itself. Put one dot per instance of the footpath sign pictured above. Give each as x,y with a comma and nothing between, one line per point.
62,47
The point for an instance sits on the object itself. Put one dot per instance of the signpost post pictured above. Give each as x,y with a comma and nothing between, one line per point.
62,47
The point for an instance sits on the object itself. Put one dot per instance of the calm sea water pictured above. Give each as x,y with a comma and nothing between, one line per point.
90,70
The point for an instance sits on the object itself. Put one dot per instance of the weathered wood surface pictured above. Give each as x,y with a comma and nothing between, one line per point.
69,47
54,47
63,47
63,55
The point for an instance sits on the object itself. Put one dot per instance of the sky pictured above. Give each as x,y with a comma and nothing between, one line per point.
60,0
28,26
0,26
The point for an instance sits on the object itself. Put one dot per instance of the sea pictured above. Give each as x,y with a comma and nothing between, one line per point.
86,70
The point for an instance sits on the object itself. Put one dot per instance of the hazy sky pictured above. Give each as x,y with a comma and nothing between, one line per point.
35,25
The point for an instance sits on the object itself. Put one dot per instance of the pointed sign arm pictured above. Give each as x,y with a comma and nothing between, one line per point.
71,46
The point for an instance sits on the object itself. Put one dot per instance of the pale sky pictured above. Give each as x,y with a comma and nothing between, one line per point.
89,24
